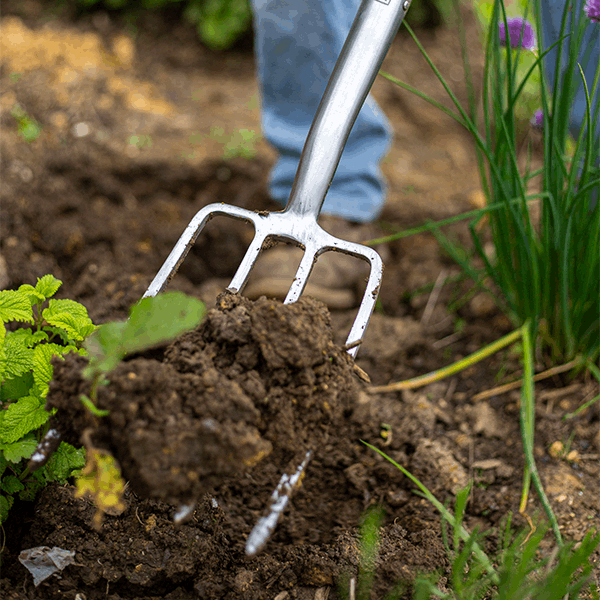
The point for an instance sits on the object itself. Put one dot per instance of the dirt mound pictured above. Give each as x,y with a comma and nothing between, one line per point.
254,379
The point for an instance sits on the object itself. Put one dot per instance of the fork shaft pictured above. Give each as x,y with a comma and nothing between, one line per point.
370,37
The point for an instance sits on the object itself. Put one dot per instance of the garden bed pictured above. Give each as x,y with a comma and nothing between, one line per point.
243,398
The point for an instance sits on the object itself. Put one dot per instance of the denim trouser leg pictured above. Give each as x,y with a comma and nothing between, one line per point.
297,44
589,56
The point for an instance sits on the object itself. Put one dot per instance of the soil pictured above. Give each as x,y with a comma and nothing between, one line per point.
127,154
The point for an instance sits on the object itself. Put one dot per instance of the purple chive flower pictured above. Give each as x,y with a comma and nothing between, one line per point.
537,121
592,10
520,32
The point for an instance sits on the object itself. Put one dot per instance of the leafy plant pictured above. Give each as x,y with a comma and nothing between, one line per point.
517,571
29,129
151,321
25,371
219,22
140,141
241,143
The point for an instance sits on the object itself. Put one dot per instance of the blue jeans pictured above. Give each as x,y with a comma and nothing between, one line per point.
297,44
589,56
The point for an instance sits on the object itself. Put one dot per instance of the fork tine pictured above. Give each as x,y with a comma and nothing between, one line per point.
301,277
243,271
367,305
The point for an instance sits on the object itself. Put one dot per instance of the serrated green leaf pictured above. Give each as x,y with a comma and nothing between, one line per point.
17,358
39,336
59,332
70,316
3,361
159,319
11,484
13,389
17,451
63,462
47,285
35,484
21,417
87,329
15,306
42,369
33,296
5,504
28,337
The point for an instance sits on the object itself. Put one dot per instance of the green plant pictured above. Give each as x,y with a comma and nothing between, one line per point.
543,267
546,267
151,321
517,571
29,129
219,23
25,371
140,141
241,143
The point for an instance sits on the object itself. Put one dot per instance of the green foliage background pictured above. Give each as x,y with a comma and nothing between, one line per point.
219,23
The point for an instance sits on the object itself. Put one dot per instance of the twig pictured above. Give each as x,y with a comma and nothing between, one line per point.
433,297
352,589
449,339
513,385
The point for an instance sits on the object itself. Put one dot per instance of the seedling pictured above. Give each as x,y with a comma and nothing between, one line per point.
516,572
152,321
241,143
140,141
29,129
25,371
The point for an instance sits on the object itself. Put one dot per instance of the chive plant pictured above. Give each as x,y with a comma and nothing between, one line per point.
548,271
546,268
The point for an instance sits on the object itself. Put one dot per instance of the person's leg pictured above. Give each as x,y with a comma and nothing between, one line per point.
589,56
297,44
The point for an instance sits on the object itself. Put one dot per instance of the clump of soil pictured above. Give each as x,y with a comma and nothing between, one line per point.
254,380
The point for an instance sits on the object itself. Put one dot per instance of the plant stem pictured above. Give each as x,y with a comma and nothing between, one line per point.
527,417
468,361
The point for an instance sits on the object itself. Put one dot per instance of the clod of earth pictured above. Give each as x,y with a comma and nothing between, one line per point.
255,380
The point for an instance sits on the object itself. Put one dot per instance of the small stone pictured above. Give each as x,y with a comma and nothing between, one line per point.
81,129
482,305
573,456
243,580
556,450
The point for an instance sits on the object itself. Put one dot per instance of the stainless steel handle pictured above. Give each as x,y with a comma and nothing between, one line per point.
368,41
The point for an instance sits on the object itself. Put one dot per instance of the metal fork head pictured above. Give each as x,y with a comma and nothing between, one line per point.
301,230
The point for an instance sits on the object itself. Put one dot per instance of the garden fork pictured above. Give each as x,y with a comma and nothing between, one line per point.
370,37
